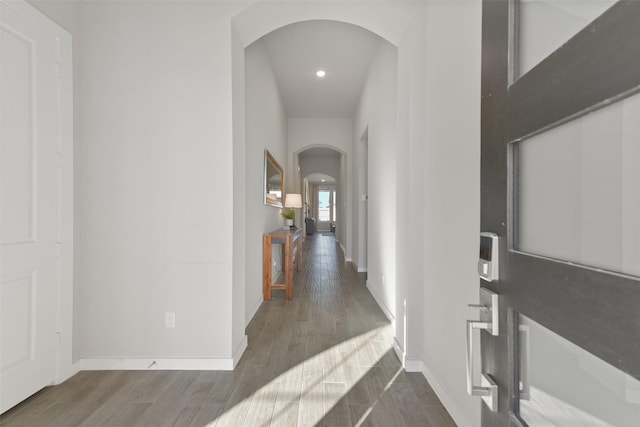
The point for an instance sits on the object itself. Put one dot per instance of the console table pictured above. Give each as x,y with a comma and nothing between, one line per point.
291,240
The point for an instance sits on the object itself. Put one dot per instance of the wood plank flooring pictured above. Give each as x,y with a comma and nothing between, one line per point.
322,359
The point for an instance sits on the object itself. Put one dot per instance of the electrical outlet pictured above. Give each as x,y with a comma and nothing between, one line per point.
170,319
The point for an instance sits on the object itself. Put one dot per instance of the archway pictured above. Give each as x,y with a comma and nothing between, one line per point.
382,19
324,188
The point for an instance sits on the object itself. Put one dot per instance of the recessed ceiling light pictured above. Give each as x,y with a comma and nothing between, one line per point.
323,180
321,73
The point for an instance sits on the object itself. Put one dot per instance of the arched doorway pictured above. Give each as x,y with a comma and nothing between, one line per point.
383,20
323,187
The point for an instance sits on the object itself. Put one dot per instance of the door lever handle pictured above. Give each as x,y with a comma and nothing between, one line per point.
489,315
488,389
471,389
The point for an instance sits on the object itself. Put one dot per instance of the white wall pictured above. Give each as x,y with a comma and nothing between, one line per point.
410,183
359,165
344,211
155,161
325,165
63,13
266,127
311,132
238,299
377,112
451,197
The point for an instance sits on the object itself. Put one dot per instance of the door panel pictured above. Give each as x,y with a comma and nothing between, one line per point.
546,25
17,306
18,174
563,385
579,190
594,309
593,68
29,207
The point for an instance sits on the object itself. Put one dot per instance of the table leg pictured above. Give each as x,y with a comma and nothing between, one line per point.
266,262
288,268
299,256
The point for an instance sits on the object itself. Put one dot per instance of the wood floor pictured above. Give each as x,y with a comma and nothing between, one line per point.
322,359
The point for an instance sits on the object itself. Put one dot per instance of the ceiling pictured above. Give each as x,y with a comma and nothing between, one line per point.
318,178
320,152
317,153
298,50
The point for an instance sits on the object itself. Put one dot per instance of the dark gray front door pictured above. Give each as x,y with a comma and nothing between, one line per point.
560,186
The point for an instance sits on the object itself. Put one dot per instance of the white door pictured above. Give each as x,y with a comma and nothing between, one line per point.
29,140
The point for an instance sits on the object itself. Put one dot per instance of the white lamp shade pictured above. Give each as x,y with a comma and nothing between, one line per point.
293,200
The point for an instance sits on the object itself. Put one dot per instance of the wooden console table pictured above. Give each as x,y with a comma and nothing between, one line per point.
288,238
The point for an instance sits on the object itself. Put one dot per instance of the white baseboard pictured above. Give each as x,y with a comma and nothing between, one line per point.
66,373
411,365
359,269
397,348
156,364
253,312
383,307
347,259
240,351
159,364
456,413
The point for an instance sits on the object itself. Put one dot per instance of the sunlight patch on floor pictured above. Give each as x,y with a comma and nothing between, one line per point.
375,402
305,393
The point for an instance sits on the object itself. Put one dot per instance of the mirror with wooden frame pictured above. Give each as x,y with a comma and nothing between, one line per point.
273,181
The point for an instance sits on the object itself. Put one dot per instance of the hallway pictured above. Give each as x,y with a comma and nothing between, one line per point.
324,358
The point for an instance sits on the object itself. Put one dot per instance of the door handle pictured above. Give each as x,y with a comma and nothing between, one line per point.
525,393
489,314
471,389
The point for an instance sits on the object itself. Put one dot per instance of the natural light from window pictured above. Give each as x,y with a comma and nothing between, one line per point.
305,393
